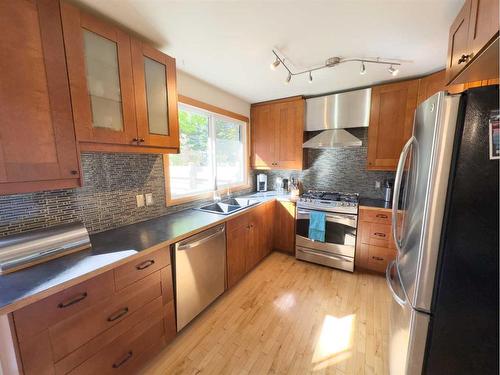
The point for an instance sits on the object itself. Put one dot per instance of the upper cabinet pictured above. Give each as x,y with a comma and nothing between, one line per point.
278,134
37,141
473,43
391,122
124,94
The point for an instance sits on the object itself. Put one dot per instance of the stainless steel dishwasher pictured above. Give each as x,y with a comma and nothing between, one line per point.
200,272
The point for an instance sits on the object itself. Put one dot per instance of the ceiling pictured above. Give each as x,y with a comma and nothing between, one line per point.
228,43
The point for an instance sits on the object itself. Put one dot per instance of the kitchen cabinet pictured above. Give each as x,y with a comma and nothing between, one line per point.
375,247
284,227
248,241
277,134
473,31
391,123
38,150
118,319
123,92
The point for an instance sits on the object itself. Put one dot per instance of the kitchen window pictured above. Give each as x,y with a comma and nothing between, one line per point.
213,154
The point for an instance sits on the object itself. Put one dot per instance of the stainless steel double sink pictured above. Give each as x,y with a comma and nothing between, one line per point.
228,206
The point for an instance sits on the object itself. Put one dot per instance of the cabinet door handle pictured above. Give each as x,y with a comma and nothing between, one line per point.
379,234
73,300
377,258
135,139
74,172
381,216
141,140
464,58
145,264
118,314
125,358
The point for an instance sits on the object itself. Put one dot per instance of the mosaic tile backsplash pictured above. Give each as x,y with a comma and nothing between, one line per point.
338,169
107,199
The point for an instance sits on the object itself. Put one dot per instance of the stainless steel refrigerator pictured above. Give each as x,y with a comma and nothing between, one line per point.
444,281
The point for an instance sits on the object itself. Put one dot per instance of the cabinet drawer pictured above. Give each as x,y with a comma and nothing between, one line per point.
128,353
152,311
141,267
40,315
79,329
379,257
376,234
375,216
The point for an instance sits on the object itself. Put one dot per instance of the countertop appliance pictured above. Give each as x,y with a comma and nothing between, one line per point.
341,224
261,182
200,272
333,114
27,249
444,282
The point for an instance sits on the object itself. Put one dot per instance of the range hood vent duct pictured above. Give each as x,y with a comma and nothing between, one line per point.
333,114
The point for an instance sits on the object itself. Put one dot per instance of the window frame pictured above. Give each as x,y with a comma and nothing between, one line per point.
220,112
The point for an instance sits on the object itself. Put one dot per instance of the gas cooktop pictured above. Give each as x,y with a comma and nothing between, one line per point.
329,201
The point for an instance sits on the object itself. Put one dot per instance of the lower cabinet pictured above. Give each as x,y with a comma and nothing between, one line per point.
284,227
375,247
115,321
249,240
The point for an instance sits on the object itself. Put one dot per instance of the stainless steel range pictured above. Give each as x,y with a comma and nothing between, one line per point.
341,223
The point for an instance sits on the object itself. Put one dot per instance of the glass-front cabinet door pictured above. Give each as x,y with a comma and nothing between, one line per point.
101,82
156,96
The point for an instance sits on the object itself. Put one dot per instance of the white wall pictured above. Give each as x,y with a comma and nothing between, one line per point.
195,88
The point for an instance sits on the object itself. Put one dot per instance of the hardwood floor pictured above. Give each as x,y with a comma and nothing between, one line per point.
287,317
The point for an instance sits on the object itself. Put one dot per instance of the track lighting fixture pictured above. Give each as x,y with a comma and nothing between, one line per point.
334,61
363,68
275,64
393,71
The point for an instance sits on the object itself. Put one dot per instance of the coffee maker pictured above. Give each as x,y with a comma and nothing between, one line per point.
261,182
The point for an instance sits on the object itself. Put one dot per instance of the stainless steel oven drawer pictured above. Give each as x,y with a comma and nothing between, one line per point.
330,248
326,259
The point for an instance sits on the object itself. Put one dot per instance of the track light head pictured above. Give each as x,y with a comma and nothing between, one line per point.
310,78
288,77
363,68
394,71
275,64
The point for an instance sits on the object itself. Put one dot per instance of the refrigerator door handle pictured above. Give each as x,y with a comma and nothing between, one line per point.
397,298
397,190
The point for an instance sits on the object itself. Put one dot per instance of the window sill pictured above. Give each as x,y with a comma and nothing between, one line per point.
196,197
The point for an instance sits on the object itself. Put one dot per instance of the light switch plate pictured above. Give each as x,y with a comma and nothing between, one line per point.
149,199
377,184
140,200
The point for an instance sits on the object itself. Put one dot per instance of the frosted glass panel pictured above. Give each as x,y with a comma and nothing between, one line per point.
156,95
103,81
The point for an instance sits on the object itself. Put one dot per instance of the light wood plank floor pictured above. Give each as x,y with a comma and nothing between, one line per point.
287,317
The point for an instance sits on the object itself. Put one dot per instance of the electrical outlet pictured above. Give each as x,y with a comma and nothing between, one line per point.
377,184
149,199
140,200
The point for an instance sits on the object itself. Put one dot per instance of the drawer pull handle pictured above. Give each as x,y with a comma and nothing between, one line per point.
118,314
381,216
73,300
145,264
379,234
378,258
125,358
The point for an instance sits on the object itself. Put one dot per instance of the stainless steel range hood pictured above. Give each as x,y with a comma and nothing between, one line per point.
335,113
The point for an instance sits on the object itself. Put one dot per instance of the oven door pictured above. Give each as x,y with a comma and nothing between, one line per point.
340,236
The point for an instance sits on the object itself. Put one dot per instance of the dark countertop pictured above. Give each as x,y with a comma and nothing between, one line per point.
370,202
108,248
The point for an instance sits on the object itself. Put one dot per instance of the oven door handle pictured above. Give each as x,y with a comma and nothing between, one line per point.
349,220
323,254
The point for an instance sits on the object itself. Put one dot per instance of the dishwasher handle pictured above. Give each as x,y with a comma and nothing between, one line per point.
198,242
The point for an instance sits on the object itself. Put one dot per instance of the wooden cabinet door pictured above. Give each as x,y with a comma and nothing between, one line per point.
284,227
458,42
430,85
391,123
255,239
289,129
237,247
37,140
155,86
268,223
100,76
263,137
483,24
